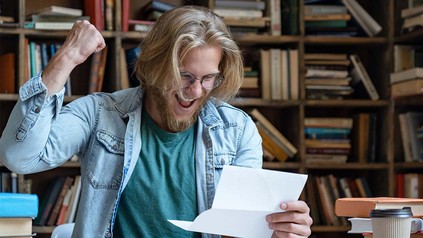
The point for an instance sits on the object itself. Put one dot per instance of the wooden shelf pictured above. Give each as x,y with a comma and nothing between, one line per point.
287,115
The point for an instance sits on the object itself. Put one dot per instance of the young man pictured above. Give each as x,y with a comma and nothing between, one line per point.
149,153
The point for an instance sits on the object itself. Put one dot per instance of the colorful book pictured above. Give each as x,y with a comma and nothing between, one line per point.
18,205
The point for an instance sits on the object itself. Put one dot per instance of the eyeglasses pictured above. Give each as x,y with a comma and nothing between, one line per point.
209,81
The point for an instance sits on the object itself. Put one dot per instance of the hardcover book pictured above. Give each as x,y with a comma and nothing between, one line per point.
18,205
361,207
16,227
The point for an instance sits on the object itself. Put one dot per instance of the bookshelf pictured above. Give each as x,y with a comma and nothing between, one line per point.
376,54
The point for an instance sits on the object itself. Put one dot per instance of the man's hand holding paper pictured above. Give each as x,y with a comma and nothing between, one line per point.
253,203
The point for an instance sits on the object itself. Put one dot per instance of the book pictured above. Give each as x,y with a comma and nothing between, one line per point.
361,207
270,143
74,200
294,87
364,225
404,57
414,21
125,5
411,11
325,158
156,5
290,17
405,75
361,137
276,74
94,9
53,25
318,9
59,201
48,200
140,25
265,73
109,15
259,5
7,73
64,207
409,122
325,56
15,227
250,82
18,205
328,143
229,12
364,19
329,122
274,12
102,69
414,235
291,149
326,73
58,10
359,73
328,81
328,17
407,88
124,77
95,66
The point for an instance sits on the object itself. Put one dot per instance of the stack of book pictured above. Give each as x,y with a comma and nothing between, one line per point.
54,18
412,16
154,9
250,86
357,210
407,82
243,16
327,139
17,211
407,78
273,141
327,19
327,75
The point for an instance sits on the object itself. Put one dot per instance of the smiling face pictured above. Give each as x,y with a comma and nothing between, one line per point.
178,109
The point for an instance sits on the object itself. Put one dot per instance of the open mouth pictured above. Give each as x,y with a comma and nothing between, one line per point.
184,102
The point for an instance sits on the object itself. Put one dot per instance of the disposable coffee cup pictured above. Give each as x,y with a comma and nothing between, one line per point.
391,223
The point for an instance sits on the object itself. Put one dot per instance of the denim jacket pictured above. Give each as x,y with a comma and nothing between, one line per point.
103,129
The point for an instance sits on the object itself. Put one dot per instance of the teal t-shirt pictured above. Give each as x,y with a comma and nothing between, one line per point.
161,187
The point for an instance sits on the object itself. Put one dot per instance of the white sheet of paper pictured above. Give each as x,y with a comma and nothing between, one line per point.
243,199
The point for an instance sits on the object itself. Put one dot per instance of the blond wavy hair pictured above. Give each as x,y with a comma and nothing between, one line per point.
177,32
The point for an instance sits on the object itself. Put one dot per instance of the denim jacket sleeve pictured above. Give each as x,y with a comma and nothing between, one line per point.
36,138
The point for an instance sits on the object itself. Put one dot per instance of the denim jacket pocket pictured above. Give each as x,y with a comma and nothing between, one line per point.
223,158
106,161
